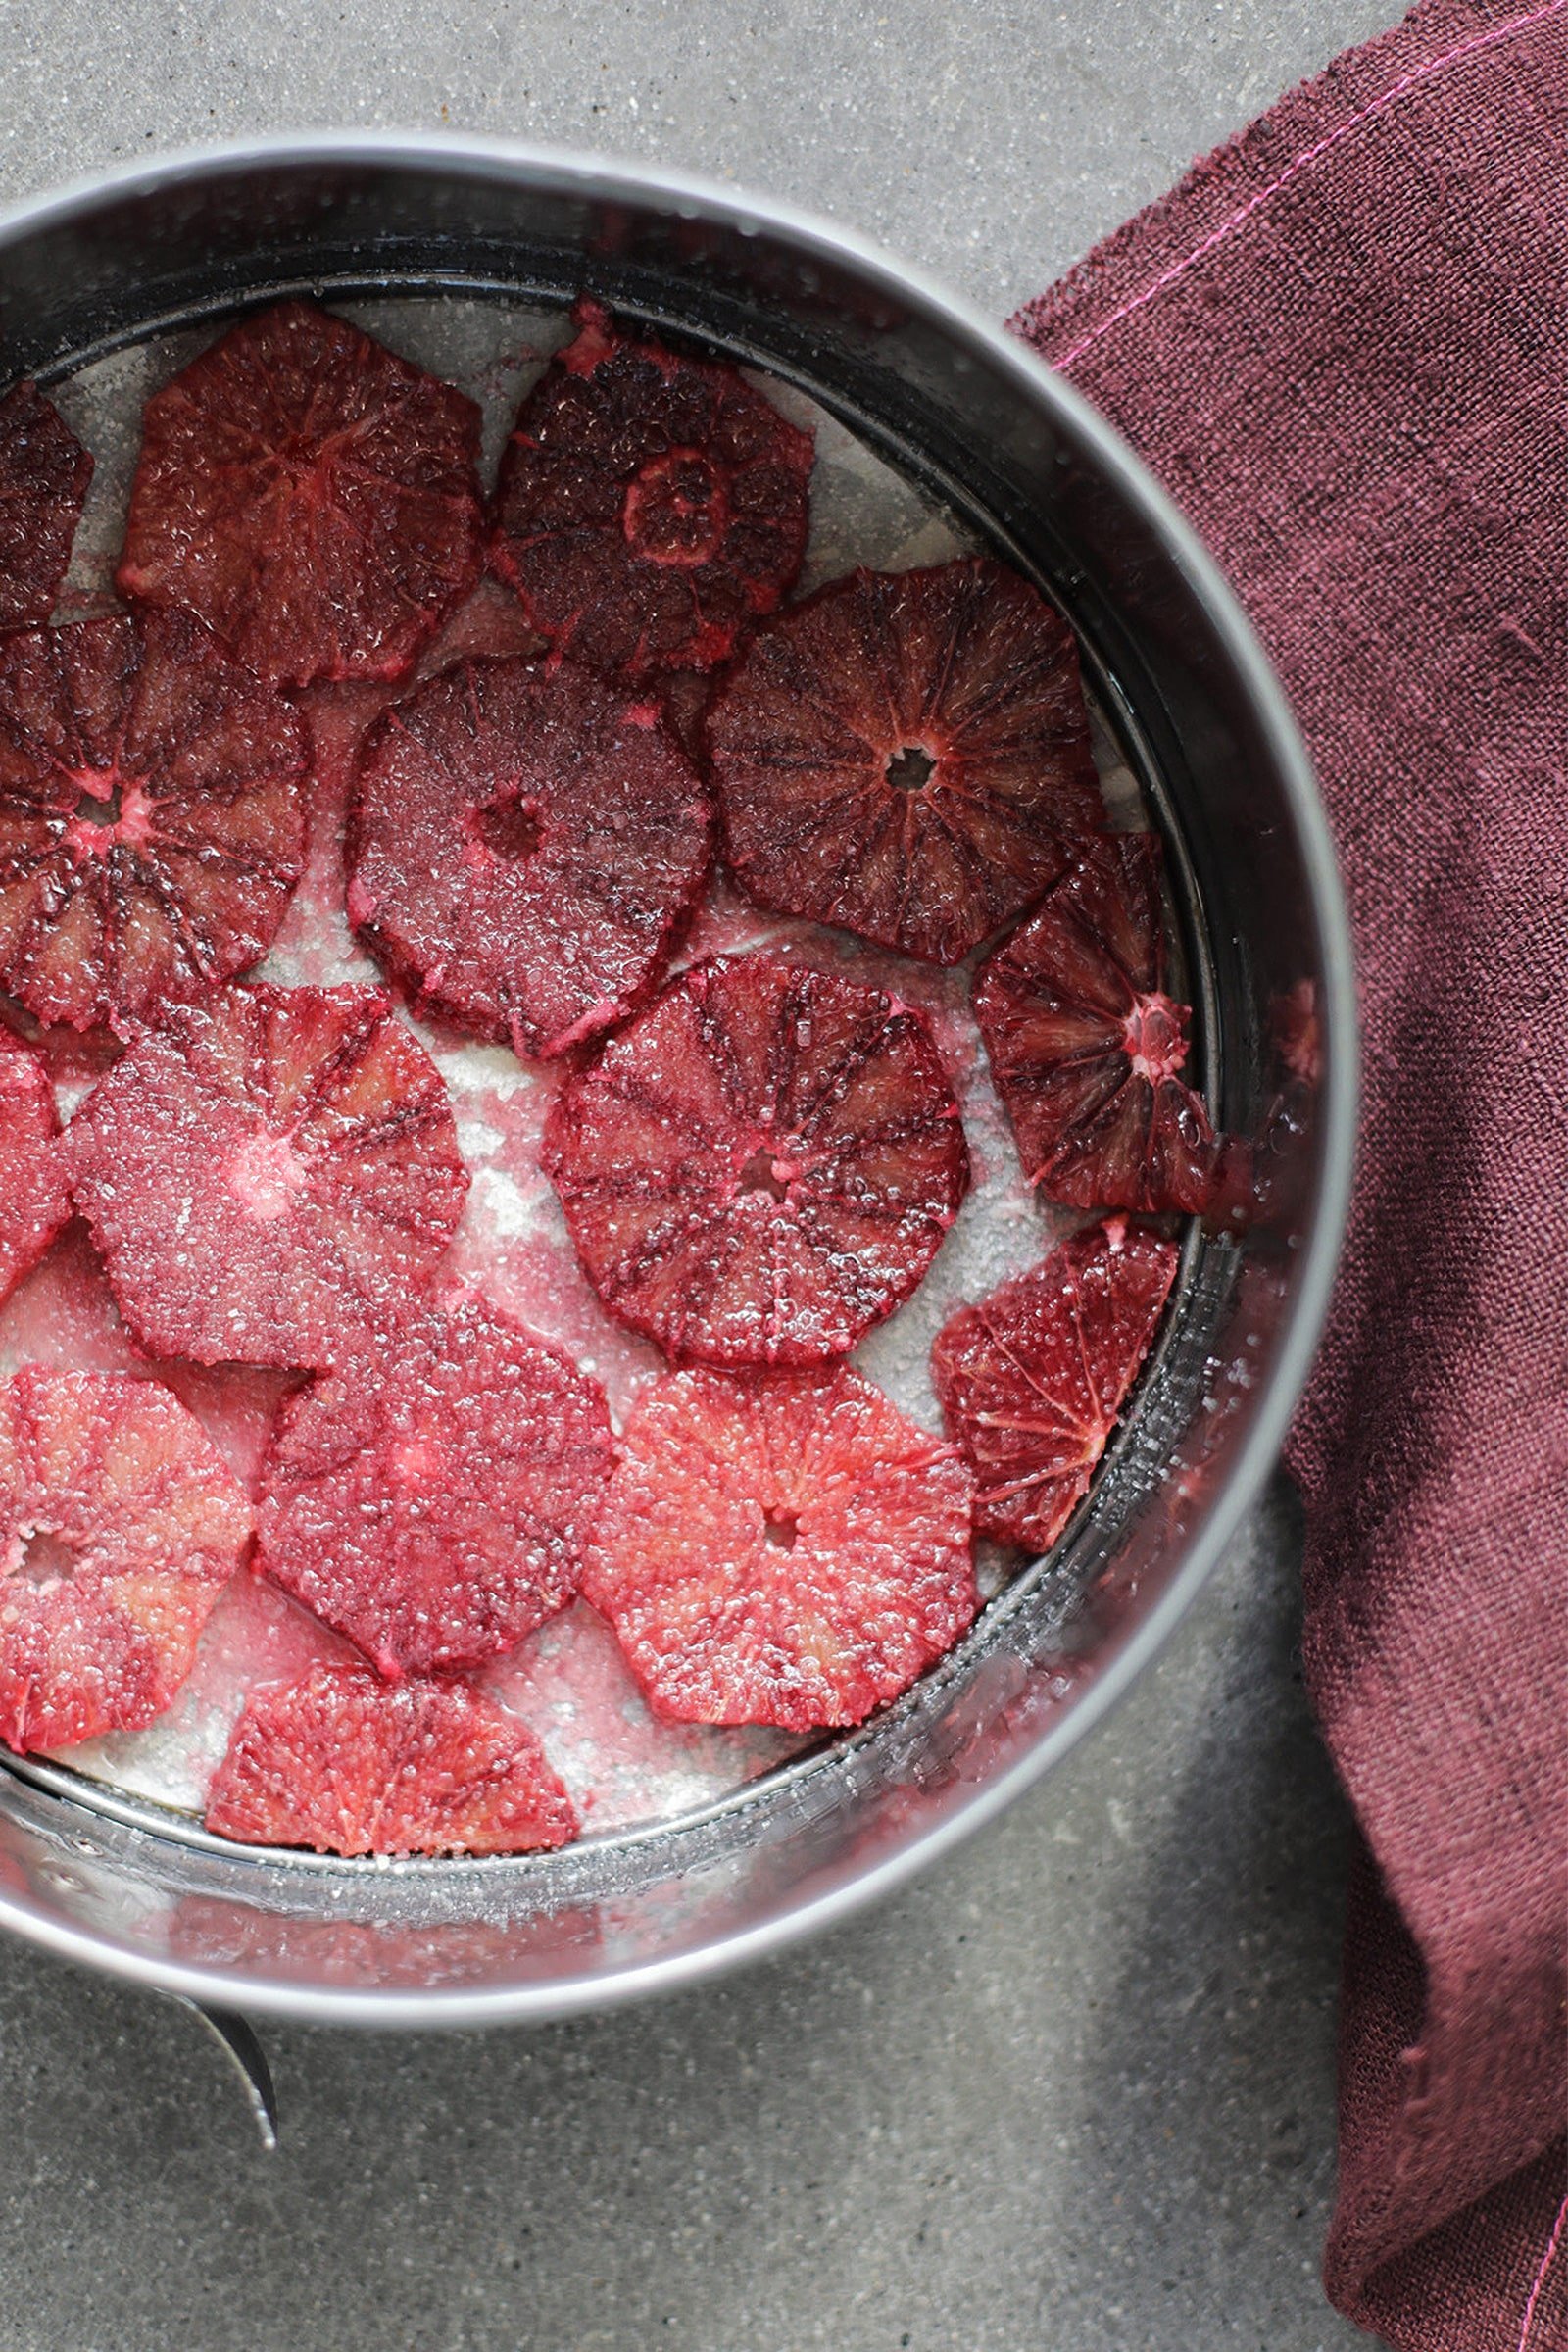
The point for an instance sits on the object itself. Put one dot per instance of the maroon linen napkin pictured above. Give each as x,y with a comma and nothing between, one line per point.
1341,343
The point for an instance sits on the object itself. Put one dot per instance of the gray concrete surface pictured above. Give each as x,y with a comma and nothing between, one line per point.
1075,2088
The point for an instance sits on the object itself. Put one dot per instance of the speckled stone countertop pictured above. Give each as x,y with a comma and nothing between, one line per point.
1074,2088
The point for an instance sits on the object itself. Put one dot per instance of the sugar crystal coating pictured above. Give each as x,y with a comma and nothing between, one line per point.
119,1525
1032,1379
35,1198
342,1763
525,844
429,1499
268,1176
151,816
651,505
1086,1047
907,755
761,1164
44,473
786,1549
310,495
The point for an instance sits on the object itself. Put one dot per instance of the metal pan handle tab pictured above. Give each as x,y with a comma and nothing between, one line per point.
236,2037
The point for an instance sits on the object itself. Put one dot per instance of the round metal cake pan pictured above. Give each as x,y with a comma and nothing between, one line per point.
946,395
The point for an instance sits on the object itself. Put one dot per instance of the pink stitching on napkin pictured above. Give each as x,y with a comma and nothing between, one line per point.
1541,2276
1299,164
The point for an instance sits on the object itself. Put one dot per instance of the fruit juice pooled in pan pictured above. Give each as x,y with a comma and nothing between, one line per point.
567,1679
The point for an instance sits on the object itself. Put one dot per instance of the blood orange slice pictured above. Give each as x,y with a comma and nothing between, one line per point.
784,1550
150,822
761,1164
270,1175
34,1201
44,473
309,494
651,505
1032,1380
121,1524
429,1502
906,755
524,846
1086,1047
342,1764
